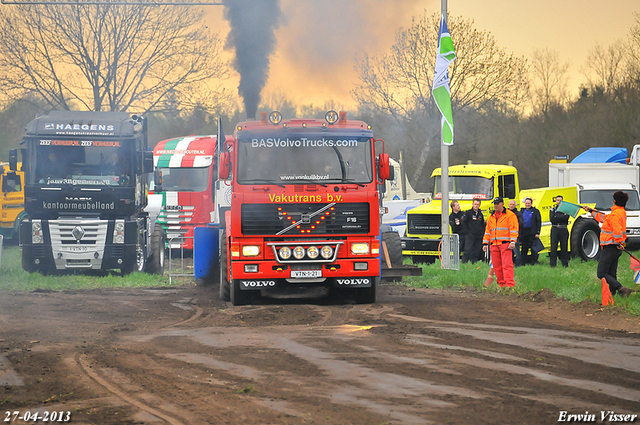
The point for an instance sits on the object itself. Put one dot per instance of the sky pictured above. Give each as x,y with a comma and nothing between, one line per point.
319,41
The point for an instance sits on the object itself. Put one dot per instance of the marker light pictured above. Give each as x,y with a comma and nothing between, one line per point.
360,248
275,117
326,252
298,252
285,252
250,250
331,117
313,252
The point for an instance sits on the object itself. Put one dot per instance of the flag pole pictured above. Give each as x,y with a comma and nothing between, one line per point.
444,186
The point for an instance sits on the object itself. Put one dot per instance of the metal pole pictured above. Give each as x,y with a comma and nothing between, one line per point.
403,176
444,186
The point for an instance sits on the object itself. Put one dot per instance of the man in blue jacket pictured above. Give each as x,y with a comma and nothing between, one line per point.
530,232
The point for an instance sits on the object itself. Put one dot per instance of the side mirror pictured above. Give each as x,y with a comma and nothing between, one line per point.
13,160
385,171
11,183
148,161
224,166
157,181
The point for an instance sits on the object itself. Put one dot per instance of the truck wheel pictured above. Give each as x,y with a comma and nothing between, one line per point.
238,296
27,261
394,248
139,264
224,282
158,252
366,295
585,239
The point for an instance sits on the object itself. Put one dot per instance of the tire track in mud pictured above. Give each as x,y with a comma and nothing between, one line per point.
128,398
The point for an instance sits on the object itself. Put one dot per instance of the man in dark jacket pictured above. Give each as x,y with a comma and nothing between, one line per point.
517,259
559,233
473,225
455,221
530,231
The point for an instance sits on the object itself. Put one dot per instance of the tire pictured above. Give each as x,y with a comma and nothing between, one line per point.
394,248
158,252
224,281
423,259
585,239
238,296
138,264
366,295
27,261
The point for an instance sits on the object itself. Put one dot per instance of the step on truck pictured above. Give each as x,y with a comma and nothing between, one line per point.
466,183
11,202
299,206
85,192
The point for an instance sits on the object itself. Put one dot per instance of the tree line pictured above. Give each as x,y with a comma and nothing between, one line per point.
165,63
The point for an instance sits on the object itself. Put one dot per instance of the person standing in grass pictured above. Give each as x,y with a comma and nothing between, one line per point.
500,237
559,234
530,232
455,221
613,235
473,226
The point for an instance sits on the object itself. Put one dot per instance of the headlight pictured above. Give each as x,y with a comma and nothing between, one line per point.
36,232
250,250
118,232
313,252
285,252
298,253
326,252
360,248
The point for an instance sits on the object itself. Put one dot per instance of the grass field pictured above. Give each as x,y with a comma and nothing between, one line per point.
576,283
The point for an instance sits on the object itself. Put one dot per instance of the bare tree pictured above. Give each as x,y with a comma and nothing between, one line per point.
110,57
604,67
399,82
549,82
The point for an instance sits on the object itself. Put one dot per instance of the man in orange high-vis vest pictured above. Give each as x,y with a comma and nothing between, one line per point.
501,235
613,234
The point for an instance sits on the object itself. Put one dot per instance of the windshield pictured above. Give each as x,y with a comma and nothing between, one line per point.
81,162
465,187
185,179
604,199
311,159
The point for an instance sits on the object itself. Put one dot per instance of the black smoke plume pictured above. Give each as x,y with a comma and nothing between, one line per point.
252,36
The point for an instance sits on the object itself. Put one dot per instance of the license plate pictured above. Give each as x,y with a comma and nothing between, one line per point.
306,273
75,248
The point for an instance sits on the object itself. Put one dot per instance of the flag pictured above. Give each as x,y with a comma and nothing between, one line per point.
440,89
569,208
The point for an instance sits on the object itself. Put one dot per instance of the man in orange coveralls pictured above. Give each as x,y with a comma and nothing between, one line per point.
501,234
612,237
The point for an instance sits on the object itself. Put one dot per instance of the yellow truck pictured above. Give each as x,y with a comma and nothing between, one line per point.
11,202
466,183
584,231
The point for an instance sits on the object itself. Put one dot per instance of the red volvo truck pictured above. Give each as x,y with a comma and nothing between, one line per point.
299,204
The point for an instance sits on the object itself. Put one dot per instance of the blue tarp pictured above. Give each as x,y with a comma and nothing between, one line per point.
618,155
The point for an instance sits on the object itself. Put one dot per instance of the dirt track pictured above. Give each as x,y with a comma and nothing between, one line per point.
179,355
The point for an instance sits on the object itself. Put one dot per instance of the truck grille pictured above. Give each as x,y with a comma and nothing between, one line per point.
424,224
94,232
279,219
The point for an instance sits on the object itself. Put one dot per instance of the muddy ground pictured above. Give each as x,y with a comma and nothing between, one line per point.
179,355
